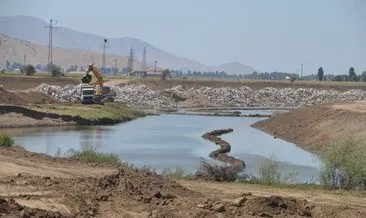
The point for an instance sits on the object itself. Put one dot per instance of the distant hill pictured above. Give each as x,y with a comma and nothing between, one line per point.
33,29
13,50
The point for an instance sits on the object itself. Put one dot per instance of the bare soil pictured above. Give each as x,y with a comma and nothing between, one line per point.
24,83
34,184
314,127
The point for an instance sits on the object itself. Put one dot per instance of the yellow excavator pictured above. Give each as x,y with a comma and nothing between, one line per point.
97,93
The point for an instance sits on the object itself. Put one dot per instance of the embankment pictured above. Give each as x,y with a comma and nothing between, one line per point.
311,128
221,153
22,116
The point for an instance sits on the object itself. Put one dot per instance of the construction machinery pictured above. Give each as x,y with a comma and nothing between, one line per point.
97,93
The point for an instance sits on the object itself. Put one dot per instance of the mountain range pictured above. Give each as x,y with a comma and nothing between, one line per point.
32,29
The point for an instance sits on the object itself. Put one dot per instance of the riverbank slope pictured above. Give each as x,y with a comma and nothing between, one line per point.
311,128
64,114
37,184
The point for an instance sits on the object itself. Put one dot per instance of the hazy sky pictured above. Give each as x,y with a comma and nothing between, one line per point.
266,34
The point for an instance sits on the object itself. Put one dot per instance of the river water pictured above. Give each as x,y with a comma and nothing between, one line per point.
171,141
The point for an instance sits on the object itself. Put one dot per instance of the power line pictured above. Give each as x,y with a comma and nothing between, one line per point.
50,28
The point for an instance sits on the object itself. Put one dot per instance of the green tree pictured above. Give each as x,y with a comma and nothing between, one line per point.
363,76
56,71
320,74
7,65
29,70
165,73
351,74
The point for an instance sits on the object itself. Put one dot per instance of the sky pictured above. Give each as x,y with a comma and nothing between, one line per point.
269,35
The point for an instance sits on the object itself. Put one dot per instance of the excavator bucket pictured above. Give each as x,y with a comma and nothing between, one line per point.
86,79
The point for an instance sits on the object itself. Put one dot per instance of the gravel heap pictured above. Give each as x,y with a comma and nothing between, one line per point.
142,95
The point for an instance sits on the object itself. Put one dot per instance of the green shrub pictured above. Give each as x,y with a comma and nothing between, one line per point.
6,141
344,164
91,155
177,173
29,70
270,173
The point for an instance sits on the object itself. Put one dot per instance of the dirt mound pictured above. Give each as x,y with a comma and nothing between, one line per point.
313,127
20,98
12,208
23,83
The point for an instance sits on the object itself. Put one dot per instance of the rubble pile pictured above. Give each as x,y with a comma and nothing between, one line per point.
143,96
67,93
138,94
270,97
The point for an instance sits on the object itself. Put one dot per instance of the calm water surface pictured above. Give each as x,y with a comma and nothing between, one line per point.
170,141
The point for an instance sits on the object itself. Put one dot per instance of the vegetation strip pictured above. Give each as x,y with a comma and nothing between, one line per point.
221,153
66,118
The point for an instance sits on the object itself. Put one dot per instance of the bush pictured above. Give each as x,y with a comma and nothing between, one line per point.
344,164
222,173
29,70
165,73
56,71
178,173
6,141
91,155
270,173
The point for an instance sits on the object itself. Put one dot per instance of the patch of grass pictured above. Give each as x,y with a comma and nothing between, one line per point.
91,155
5,140
270,173
177,174
112,110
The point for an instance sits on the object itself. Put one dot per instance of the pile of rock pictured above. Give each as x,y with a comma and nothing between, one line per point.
142,95
67,93
271,97
137,94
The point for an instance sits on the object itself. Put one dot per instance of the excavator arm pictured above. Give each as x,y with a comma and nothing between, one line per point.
87,77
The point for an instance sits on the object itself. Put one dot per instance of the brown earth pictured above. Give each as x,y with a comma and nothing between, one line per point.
24,83
34,184
313,127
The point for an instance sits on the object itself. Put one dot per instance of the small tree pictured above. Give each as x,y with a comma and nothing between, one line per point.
56,71
7,65
165,73
29,70
320,74
351,74
363,76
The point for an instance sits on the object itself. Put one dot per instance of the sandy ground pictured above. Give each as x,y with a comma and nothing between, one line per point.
314,127
36,184
11,120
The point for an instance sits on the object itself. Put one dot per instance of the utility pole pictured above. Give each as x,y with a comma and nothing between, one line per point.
103,60
50,28
115,66
302,66
24,60
155,65
143,66
130,60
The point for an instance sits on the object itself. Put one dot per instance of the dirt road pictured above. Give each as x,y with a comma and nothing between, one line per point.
313,127
36,184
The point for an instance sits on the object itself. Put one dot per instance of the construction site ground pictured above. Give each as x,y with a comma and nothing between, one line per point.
67,187
34,184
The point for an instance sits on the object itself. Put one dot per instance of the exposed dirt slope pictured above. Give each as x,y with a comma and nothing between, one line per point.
21,98
314,127
24,83
64,187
